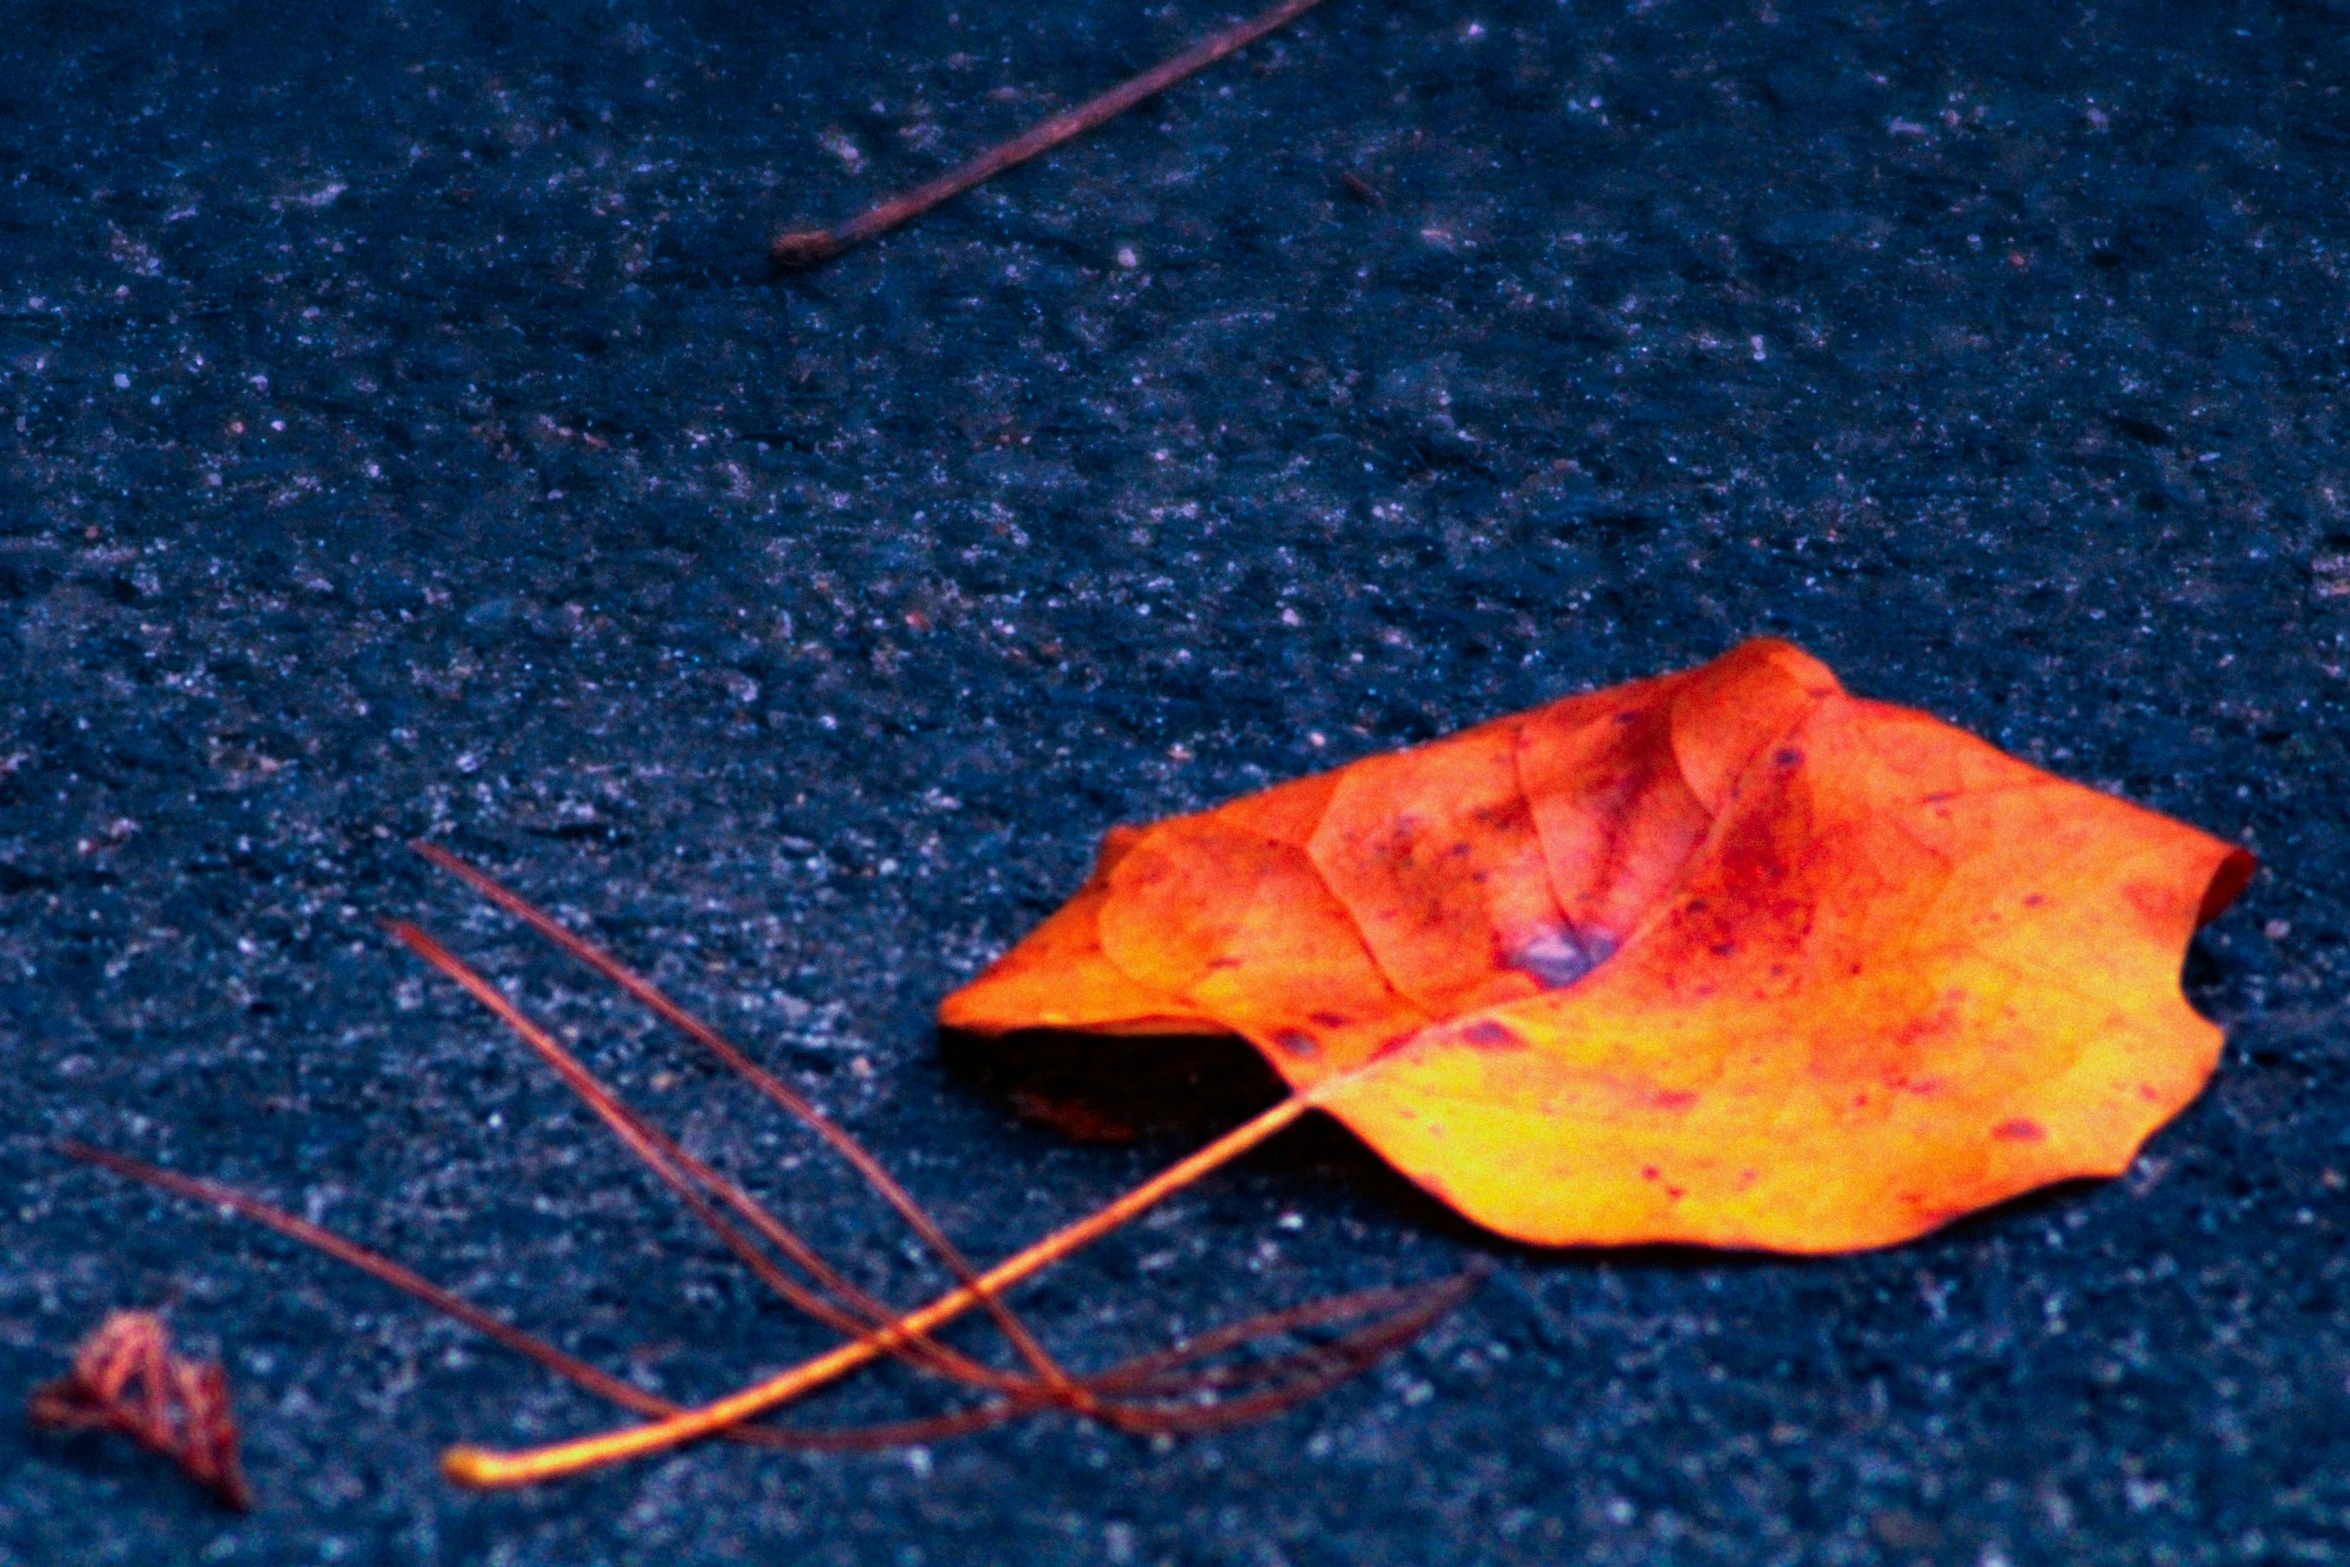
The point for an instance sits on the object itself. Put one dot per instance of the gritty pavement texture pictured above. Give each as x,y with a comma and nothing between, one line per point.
401,434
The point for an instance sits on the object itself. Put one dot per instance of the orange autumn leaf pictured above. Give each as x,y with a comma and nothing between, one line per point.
1725,957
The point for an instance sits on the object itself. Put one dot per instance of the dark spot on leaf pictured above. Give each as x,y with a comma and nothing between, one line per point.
2019,1130
1486,1034
1559,958
1787,756
1329,1019
1297,1042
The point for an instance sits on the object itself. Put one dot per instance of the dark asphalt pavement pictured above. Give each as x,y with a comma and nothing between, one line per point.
401,434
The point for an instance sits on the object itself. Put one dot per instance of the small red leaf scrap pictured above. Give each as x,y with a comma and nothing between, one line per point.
125,1378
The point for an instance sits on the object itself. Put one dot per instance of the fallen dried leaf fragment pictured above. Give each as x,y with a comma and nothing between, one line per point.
126,1379
1726,957
812,247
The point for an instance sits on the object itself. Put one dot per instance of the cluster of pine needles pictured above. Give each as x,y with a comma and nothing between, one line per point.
1216,1379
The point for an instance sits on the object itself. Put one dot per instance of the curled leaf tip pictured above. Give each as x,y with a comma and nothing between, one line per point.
1725,957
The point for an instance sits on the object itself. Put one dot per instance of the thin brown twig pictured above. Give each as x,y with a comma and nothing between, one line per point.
1325,1365
373,1263
809,247
1155,1394
1150,1393
486,1468
1142,1373
852,1152
688,1178
1318,1368
528,1345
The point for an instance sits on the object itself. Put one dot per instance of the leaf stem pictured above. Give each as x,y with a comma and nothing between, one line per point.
486,1468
